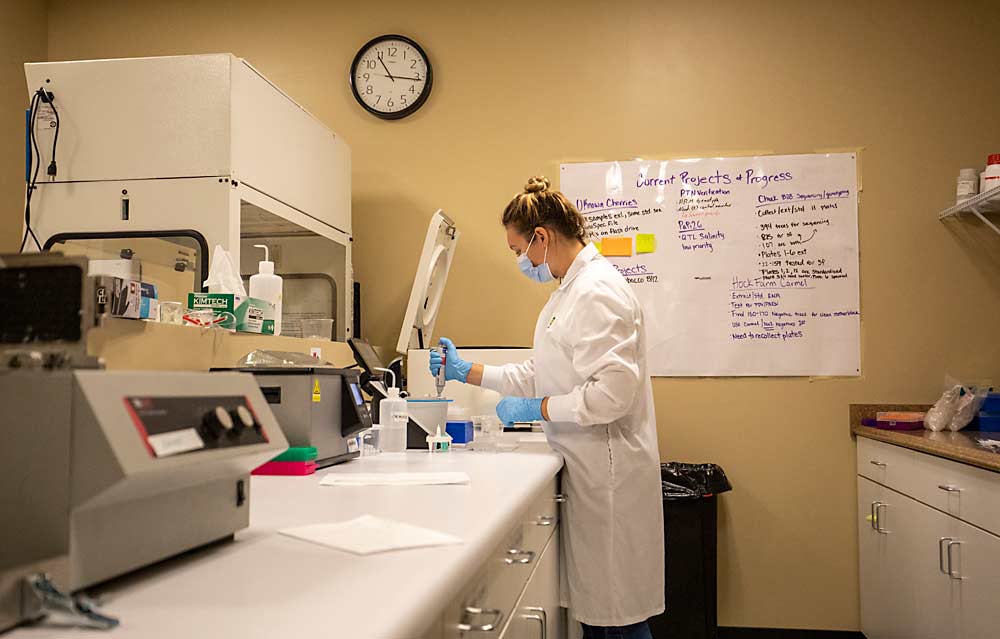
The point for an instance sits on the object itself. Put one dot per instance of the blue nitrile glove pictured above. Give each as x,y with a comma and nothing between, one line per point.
520,409
455,367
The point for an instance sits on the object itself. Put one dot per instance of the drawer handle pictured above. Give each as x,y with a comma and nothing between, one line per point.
523,557
559,499
941,554
471,614
954,574
545,520
871,520
950,489
540,617
877,463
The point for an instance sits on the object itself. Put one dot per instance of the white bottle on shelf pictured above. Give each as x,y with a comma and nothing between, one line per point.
990,178
265,285
968,185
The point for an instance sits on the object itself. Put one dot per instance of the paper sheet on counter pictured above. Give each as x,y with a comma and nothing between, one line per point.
368,534
395,479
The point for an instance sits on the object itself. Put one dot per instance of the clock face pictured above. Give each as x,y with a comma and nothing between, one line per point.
391,77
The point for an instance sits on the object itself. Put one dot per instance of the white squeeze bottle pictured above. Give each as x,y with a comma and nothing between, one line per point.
393,417
392,409
265,285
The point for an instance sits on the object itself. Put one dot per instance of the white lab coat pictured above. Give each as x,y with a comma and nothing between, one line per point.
589,359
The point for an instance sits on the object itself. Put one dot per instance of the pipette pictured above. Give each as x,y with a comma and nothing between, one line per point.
439,380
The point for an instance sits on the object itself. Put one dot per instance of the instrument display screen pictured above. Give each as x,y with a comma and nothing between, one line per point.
357,394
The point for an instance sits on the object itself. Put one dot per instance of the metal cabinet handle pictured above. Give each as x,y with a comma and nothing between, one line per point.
539,610
877,463
950,489
941,554
540,618
471,613
871,520
954,574
545,520
559,498
523,557
878,518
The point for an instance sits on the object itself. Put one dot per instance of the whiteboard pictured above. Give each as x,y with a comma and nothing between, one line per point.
743,266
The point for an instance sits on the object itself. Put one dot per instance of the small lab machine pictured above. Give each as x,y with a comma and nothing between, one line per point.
104,472
417,335
321,407
161,159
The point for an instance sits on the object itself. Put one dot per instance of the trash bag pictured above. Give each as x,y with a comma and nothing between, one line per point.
692,481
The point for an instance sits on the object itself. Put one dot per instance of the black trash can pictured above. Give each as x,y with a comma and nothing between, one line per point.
689,535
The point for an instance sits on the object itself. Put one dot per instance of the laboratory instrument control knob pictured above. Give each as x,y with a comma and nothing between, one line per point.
217,421
242,417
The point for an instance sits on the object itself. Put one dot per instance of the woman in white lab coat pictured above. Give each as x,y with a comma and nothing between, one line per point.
588,383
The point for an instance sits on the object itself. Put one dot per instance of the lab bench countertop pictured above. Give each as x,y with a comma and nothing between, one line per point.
267,585
963,446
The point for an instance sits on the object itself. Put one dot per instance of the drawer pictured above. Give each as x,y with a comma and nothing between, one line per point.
886,464
485,605
488,600
969,493
541,518
462,610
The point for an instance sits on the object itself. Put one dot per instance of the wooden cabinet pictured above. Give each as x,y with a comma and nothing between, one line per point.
925,573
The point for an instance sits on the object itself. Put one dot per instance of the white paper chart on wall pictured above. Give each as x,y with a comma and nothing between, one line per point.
744,266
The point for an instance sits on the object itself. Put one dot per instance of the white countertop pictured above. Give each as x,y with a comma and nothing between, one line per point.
265,585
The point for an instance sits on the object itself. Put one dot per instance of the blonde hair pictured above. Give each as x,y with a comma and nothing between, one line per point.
538,206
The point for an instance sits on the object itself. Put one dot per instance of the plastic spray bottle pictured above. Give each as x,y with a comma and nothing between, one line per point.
265,285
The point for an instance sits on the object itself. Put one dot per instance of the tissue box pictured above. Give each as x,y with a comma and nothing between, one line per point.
252,315
255,315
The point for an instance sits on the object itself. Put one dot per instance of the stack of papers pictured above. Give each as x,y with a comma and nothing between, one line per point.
394,479
368,534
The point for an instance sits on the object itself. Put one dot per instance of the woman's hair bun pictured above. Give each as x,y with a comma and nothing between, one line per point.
537,184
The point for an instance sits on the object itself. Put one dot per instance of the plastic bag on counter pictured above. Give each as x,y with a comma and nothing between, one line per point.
692,481
940,414
223,276
967,406
271,359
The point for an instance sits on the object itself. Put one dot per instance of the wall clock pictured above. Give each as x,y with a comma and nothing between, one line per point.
391,77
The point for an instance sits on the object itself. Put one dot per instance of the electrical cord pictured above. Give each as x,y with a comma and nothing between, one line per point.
48,98
31,177
35,160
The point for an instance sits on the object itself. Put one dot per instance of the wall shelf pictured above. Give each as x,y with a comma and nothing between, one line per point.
988,202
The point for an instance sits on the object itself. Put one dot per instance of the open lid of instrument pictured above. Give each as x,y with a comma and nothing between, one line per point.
428,284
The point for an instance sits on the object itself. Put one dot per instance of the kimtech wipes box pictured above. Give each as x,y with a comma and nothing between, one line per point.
251,315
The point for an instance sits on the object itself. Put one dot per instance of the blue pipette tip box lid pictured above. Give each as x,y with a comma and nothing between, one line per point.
461,431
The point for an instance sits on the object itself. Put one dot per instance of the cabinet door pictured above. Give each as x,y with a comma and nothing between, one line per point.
975,562
938,595
888,596
538,615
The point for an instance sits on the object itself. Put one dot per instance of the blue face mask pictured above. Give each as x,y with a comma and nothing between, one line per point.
540,273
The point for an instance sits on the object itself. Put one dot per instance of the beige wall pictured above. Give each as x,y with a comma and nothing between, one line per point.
22,38
523,86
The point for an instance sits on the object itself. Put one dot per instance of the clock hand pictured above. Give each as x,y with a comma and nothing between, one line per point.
386,69
399,77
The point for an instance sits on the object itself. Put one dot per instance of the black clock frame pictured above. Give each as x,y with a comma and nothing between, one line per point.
410,109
